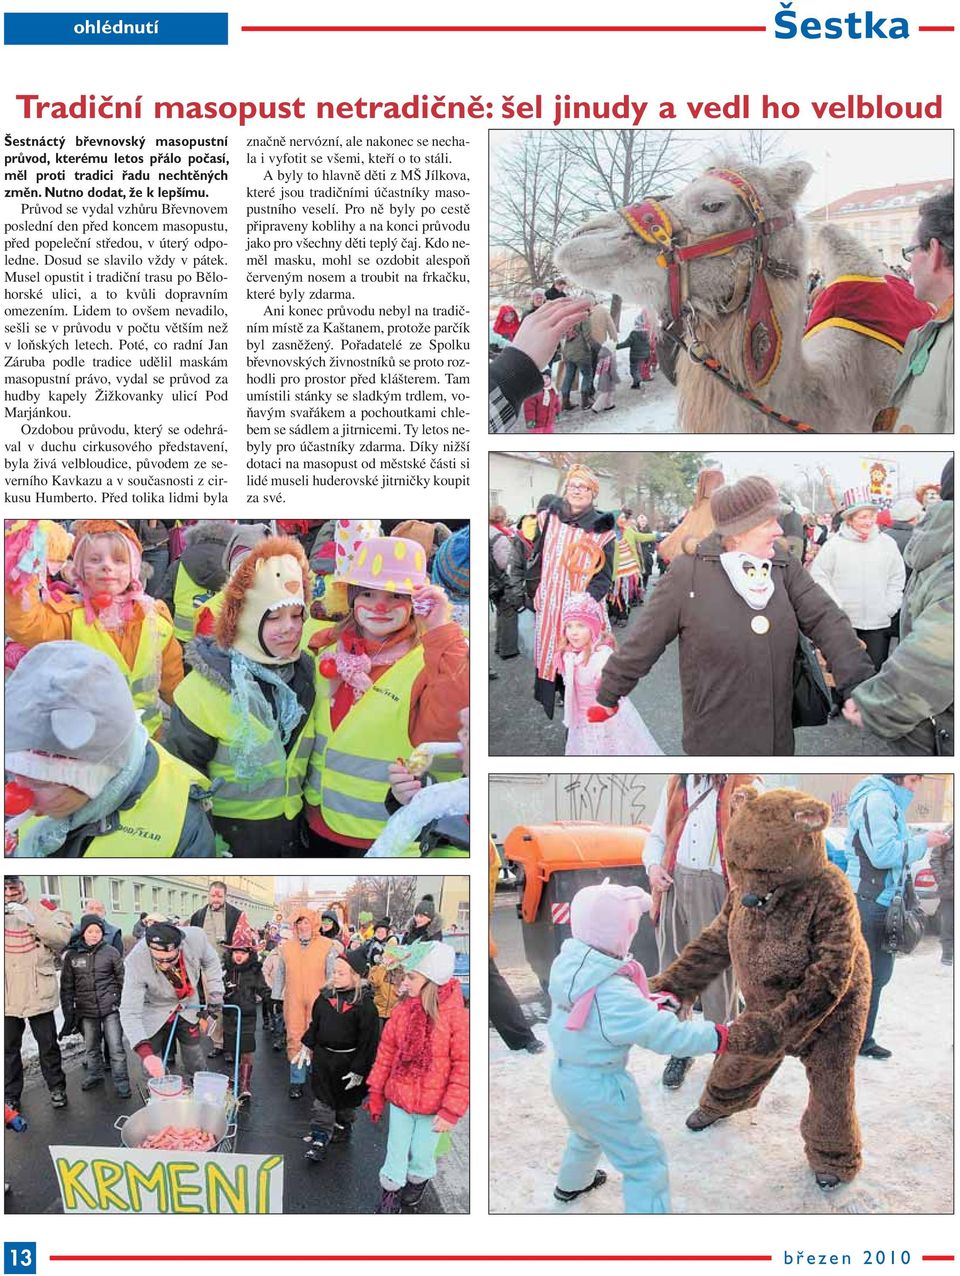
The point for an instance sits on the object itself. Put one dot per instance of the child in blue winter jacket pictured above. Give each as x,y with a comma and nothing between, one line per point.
602,1007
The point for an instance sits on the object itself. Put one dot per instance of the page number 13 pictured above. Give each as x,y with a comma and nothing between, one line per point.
19,1258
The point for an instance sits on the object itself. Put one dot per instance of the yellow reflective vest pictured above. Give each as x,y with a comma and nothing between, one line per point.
152,826
188,598
143,678
277,787
347,778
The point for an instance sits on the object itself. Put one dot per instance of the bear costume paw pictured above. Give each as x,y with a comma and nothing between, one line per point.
755,1033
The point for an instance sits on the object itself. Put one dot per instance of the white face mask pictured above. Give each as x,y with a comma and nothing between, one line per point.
751,577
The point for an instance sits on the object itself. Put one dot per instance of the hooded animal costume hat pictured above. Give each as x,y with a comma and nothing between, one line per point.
606,916
274,575
111,612
70,718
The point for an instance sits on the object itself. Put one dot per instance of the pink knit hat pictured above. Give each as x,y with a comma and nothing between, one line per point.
587,610
607,916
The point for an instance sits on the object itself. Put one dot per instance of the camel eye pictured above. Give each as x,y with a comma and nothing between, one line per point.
714,206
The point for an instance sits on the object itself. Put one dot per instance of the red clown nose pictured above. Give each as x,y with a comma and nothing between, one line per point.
17,798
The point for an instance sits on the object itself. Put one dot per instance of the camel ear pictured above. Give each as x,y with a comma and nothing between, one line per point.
812,815
787,182
741,797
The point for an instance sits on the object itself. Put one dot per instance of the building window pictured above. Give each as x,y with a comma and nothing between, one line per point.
463,915
86,891
137,898
156,896
496,497
50,889
185,902
116,895
172,901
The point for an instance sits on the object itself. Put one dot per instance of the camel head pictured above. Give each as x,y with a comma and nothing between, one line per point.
607,254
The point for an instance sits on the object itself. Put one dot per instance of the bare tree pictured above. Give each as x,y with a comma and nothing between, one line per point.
531,206
610,168
392,897
759,146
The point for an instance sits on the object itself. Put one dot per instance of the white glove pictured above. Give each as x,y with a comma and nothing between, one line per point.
303,1058
352,1079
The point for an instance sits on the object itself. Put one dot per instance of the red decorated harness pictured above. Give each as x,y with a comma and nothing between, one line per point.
762,338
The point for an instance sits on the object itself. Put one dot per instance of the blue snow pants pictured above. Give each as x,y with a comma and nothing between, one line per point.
602,1108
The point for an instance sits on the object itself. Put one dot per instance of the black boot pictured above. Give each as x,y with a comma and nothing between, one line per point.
411,1197
872,1051
562,1194
88,1082
827,1182
319,1142
342,1133
675,1071
296,1090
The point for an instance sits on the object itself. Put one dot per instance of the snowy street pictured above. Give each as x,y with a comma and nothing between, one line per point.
905,1106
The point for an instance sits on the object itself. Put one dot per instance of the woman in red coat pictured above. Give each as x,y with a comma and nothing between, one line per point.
422,1071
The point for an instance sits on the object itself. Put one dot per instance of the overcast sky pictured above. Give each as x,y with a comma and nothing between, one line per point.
844,160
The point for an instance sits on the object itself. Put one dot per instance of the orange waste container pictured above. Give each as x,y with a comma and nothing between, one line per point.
553,862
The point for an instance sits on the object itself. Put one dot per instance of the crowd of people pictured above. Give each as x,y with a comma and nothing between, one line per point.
369,1015
574,332
784,617
230,687
707,864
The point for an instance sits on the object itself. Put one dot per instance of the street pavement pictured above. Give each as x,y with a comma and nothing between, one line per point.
520,728
345,1183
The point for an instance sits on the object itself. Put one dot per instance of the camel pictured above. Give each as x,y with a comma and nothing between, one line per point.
836,380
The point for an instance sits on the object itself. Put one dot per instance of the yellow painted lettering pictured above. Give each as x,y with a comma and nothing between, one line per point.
106,1174
180,1191
219,1184
153,1180
71,1187
263,1183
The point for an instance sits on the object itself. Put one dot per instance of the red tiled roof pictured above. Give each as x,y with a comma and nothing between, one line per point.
911,193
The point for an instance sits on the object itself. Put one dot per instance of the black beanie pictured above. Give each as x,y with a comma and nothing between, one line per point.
946,482
163,935
356,959
92,919
426,907
382,924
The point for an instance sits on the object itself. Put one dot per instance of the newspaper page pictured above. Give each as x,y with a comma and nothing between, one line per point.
264,267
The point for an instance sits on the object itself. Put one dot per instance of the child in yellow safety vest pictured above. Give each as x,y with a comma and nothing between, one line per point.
244,714
109,612
92,780
393,675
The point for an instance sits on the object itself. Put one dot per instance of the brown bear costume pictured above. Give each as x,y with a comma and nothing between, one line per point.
790,928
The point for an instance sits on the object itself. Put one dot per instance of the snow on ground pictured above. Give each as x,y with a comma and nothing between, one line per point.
652,410
905,1106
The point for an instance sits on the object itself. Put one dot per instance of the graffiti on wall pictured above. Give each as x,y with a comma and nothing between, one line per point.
612,799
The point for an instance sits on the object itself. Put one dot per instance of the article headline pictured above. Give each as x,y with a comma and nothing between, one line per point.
560,108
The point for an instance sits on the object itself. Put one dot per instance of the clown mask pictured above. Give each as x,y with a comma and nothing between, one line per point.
751,577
